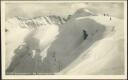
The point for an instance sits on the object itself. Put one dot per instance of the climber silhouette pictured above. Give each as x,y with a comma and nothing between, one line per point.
110,18
104,14
85,34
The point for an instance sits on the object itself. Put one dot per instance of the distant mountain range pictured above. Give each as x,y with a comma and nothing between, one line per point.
46,20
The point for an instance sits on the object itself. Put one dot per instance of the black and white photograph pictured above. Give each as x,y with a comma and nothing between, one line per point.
63,38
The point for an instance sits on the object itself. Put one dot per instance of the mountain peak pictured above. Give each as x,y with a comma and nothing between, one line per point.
82,12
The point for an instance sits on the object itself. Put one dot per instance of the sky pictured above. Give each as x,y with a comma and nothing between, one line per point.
31,10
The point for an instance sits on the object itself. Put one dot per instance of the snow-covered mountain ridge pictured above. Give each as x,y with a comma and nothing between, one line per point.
60,48
37,21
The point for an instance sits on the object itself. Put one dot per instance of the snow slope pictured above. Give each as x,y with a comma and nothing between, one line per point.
61,49
20,29
14,37
106,55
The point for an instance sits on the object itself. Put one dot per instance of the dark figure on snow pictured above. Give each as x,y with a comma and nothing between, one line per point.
104,14
110,18
85,34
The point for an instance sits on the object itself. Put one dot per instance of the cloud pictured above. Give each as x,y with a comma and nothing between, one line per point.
32,10
62,9
76,6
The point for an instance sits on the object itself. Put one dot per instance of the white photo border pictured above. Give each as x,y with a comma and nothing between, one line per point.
59,76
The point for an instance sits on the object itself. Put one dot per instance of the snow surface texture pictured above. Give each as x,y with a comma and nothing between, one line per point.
57,46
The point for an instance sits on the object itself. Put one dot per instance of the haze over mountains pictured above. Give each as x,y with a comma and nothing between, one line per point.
56,45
